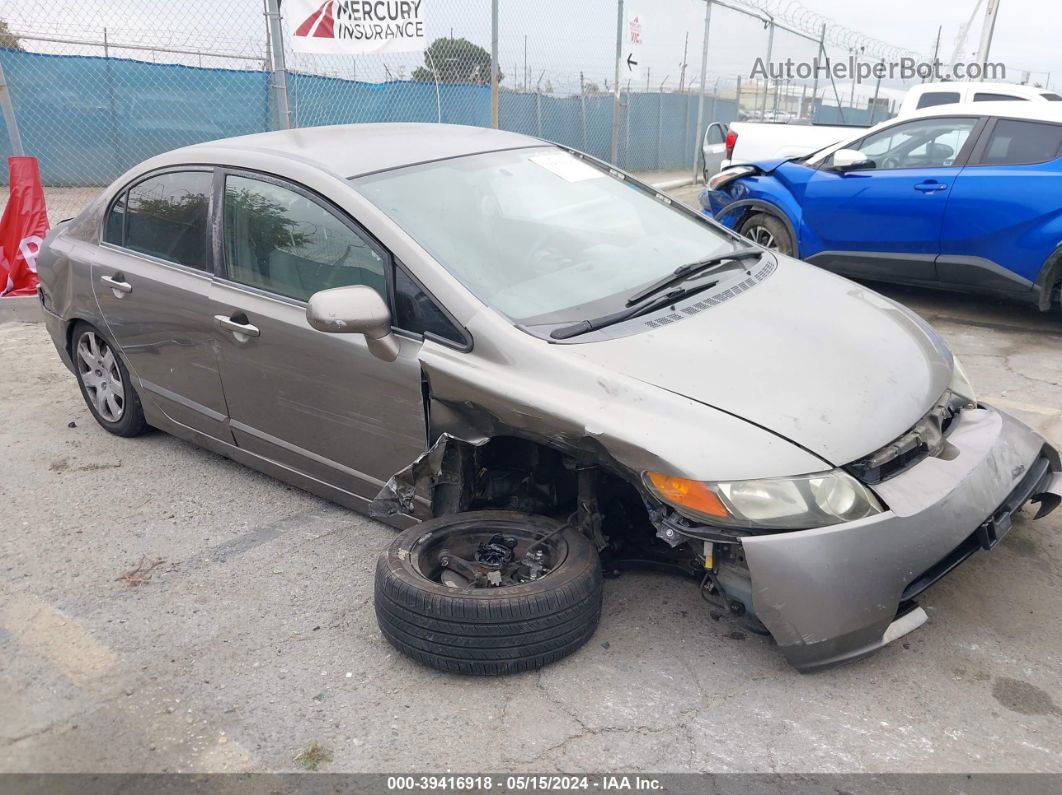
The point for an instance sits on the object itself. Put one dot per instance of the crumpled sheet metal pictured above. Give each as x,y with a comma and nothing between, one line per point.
399,495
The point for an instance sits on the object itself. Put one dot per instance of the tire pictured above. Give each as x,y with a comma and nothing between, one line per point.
105,383
488,631
770,232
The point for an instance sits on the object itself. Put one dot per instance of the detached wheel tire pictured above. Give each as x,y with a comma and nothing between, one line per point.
429,607
770,232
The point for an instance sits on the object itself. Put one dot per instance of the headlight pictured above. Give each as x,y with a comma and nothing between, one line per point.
729,175
795,503
960,382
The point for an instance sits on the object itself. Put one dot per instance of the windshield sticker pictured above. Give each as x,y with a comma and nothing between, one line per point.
566,167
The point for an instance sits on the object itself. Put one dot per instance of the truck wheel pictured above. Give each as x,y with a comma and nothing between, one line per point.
770,232
488,592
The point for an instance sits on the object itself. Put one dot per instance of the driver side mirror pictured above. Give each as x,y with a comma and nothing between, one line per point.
850,160
355,310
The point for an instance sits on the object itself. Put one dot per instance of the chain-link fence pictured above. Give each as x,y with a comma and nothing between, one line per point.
100,85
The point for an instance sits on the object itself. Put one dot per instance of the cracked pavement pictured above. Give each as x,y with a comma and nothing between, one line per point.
256,635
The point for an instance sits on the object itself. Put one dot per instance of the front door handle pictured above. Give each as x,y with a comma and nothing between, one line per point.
931,186
119,286
236,327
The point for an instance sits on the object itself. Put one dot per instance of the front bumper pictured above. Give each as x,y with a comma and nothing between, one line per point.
835,594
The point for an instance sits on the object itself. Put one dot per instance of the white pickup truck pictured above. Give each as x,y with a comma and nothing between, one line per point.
747,141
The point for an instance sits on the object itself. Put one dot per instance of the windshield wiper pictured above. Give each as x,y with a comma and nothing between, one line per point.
583,326
683,272
636,303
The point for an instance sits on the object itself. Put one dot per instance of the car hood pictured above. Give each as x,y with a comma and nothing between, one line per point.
822,361
766,166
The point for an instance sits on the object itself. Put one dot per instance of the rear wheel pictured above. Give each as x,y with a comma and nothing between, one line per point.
770,232
105,383
488,592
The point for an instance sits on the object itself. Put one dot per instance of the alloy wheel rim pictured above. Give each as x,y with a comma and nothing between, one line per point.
761,235
99,371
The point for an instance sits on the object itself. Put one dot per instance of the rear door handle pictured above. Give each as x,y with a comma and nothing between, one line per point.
236,327
931,186
118,284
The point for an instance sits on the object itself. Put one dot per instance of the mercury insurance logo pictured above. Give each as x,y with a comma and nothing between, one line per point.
321,24
353,26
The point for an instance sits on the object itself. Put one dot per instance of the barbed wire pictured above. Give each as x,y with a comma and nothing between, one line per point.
802,18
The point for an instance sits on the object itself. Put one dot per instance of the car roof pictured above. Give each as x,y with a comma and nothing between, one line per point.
1014,89
352,150
1012,109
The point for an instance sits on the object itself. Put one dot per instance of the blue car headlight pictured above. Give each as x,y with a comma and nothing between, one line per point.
728,175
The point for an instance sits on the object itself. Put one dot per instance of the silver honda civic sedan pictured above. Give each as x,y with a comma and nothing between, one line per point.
540,370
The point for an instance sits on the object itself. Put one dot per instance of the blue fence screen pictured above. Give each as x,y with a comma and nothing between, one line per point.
88,119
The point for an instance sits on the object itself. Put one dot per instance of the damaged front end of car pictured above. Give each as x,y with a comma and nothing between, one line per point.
827,556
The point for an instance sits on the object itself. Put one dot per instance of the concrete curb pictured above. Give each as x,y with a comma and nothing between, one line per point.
20,309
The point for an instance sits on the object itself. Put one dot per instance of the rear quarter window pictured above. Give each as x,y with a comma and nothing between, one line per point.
1014,142
933,98
982,96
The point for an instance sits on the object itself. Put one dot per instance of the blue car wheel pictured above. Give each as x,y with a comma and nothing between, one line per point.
768,231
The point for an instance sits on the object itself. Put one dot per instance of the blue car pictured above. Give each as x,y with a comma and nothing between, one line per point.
966,197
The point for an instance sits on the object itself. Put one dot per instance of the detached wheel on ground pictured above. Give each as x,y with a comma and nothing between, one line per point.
770,232
105,383
488,592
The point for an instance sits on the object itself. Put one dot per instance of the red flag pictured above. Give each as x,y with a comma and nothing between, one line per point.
22,228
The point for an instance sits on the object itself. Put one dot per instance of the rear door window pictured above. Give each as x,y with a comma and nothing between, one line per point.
933,98
1014,142
166,217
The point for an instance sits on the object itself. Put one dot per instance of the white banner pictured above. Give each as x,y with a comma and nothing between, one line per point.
345,27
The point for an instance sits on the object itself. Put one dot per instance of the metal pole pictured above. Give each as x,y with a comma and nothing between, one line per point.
815,84
715,100
438,100
9,116
704,79
770,49
627,127
280,72
737,100
494,75
660,120
874,102
987,30
851,99
582,107
616,83
686,126
106,49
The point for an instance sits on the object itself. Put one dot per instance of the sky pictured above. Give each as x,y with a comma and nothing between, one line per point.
564,38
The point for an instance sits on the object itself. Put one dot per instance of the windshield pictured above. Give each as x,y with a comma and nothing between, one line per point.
538,234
